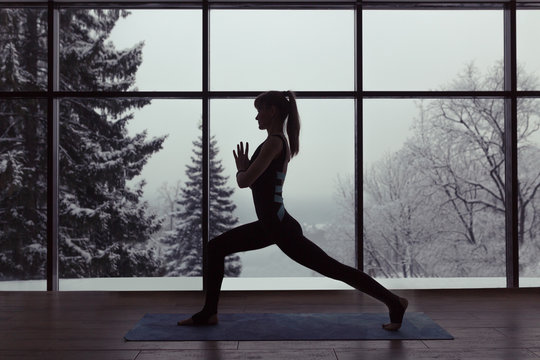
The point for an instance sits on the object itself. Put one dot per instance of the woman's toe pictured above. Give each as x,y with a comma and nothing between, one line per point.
186,322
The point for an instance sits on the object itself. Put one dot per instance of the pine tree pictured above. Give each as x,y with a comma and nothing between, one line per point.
184,256
23,156
104,225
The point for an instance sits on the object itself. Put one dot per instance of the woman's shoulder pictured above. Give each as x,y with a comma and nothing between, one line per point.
277,140
272,145
279,143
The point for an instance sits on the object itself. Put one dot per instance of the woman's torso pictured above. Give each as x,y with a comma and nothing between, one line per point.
268,188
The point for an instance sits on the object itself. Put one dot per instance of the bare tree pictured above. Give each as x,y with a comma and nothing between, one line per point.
459,145
339,239
398,221
437,206
170,195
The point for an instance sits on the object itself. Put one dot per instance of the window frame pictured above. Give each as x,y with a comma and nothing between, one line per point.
510,94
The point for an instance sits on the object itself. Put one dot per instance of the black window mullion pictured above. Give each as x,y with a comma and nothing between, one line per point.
358,143
510,139
205,137
52,147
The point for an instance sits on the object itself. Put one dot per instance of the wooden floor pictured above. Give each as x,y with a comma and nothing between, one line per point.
486,324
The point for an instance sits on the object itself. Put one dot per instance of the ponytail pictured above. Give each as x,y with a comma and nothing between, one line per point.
293,124
287,109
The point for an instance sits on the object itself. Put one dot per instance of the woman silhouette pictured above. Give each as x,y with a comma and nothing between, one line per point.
265,174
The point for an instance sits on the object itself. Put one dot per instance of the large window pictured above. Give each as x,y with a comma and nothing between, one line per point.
154,50
282,49
529,185
23,41
23,194
528,49
417,151
130,194
430,48
434,189
528,137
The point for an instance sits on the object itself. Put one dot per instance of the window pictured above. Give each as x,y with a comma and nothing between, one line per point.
528,50
154,49
434,189
529,183
23,53
282,49
430,48
404,100
23,194
130,194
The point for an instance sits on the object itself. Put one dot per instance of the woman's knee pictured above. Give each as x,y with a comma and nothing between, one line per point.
215,246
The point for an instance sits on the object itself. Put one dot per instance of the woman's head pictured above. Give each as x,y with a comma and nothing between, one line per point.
276,102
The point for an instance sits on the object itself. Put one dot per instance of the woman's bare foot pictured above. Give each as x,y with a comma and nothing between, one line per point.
396,316
194,321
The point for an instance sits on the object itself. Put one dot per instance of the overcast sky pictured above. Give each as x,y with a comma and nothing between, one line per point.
305,50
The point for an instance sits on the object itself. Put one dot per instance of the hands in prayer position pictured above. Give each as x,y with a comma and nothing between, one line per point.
242,159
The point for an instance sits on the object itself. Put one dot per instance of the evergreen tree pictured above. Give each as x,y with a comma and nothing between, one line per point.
103,223
184,256
23,157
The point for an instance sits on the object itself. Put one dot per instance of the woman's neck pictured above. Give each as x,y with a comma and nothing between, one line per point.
274,131
275,128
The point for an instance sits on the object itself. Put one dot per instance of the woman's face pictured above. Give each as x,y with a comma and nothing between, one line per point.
265,116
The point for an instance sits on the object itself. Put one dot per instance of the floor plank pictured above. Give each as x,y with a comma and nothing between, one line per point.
396,354
334,344
276,354
535,350
68,355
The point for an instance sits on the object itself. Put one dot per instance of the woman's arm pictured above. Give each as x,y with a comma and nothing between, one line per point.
247,174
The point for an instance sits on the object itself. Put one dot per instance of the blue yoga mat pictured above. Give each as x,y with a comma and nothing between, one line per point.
320,326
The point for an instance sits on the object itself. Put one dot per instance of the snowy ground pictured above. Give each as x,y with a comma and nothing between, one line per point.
266,283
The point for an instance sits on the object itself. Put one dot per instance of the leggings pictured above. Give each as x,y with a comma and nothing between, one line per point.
287,235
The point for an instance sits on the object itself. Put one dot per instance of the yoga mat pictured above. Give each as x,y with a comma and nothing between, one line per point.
320,326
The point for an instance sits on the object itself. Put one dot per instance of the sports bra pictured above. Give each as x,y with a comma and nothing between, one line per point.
267,190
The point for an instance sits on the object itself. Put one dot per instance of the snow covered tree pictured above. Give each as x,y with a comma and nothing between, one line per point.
103,224
23,53
398,218
460,146
23,157
184,255
442,201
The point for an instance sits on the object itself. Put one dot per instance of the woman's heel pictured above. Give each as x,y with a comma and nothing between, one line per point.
212,320
395,326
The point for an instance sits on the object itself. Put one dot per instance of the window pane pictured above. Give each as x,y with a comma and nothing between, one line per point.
423,50
529,199
434,190
528,49
23,194
23,49
323,169
282,49
130,194
120,50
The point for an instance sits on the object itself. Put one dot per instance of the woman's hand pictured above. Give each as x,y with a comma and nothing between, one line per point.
242,160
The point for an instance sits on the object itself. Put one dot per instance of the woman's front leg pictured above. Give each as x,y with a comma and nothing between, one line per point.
243,238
